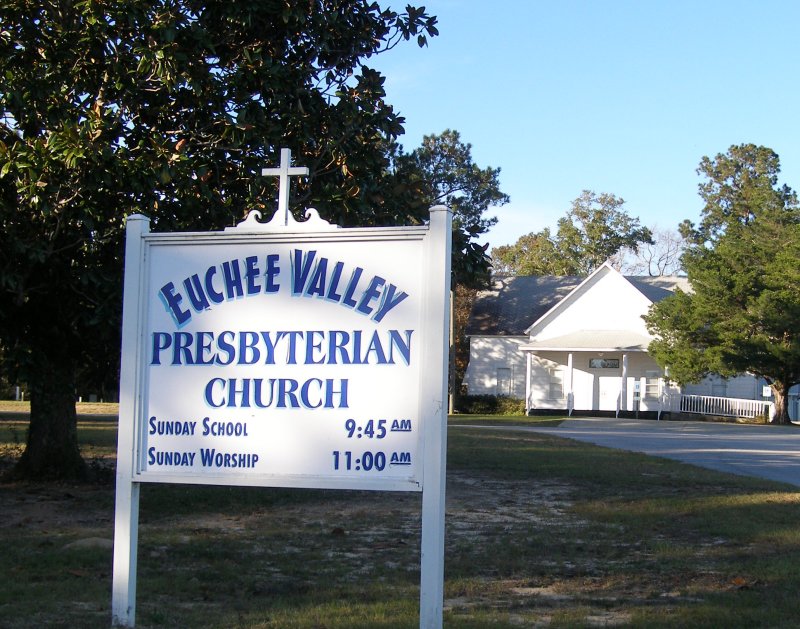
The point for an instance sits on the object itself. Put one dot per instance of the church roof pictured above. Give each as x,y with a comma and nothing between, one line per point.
512,304
657,288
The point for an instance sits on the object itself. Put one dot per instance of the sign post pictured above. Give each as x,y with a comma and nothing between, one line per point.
285,354
435,437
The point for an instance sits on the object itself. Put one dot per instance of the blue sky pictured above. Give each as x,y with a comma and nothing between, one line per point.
617,96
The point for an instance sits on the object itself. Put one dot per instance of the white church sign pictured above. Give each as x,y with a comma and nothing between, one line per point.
284,354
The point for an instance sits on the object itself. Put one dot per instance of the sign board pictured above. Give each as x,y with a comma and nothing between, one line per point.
283,359
285,354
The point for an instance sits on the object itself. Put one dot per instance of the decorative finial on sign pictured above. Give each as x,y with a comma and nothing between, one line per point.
283,172
282,220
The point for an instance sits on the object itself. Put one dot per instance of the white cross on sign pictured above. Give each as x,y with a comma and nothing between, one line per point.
284,172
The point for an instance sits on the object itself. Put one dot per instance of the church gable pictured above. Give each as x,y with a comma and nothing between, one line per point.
605,301
515,306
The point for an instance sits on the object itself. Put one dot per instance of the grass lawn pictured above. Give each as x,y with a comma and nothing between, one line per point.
541,531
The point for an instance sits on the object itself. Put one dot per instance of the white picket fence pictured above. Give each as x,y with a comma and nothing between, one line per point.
725,406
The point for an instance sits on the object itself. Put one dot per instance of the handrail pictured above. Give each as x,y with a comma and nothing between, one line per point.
725,406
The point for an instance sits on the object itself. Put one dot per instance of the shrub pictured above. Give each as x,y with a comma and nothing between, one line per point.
490,405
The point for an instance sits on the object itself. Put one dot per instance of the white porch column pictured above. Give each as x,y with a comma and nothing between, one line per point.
624,388
527,382
570,394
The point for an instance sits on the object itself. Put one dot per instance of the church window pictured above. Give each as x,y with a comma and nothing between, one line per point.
652,384
503,381
556,383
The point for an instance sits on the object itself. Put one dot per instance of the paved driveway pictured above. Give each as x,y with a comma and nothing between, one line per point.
771,452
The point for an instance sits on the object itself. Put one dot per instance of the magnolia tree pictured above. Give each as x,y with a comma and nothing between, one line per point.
743,264
169,109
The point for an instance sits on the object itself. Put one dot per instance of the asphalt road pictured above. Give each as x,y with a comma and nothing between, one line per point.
771,452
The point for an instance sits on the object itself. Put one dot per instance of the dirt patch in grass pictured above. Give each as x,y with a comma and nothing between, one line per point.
498,560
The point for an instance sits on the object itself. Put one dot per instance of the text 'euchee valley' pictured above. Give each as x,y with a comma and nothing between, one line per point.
310,275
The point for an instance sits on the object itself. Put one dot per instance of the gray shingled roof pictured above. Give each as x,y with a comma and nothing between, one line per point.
513,304
657,288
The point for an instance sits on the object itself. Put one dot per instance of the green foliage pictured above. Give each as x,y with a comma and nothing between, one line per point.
743,312
490,405
451,178
593,231
171,109
532,254
741,187
445,174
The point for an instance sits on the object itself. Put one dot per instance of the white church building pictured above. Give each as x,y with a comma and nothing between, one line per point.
580,344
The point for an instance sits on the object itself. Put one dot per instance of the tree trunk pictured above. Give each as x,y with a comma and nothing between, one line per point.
781,393
51,451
